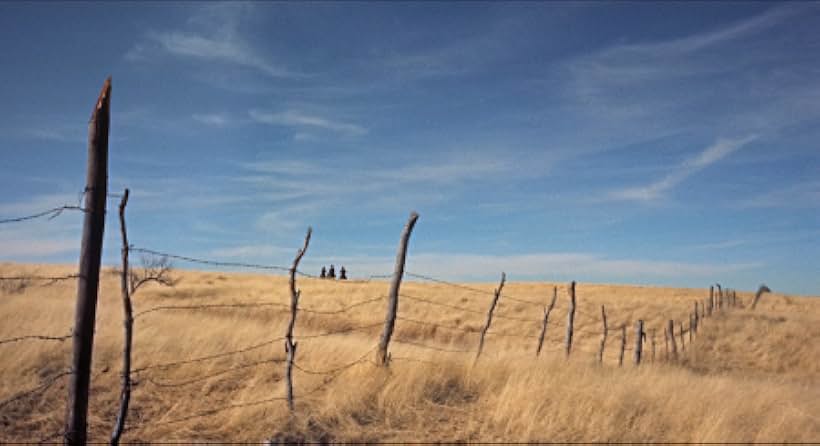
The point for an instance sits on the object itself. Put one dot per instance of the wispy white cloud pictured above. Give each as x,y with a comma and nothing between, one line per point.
58,134
655,190
34,248
211,119
217,39
298,119
801,195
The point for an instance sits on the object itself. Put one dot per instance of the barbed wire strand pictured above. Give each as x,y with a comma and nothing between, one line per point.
211,262
208,357
335,369
48,278
39,389
35,337
430,347
51,213
133,248
431,324
206,413
467,310
249,348
474,290
215,374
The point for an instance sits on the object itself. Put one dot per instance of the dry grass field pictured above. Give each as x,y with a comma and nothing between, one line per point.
751,376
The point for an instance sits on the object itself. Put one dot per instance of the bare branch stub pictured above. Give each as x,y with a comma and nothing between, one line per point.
156,269
762,289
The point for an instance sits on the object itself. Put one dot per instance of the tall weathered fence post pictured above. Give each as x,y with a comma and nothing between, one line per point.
547,311
496,295
623,345
639,337
682,342
762,289
395,284
653,345
570,318
671,330
290,346
128,323
88,281
603,336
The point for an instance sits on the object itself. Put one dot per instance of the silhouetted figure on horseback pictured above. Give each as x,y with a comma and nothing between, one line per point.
342,274
331,273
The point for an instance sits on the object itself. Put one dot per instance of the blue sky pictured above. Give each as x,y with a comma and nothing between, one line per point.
667,144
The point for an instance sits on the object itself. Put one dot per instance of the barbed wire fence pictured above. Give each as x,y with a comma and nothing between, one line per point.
675,334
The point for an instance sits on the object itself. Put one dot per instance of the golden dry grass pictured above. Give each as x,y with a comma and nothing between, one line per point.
749,377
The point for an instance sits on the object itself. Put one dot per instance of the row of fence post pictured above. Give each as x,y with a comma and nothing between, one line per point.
88,284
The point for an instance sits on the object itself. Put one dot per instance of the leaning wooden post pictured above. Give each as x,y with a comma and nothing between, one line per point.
290,346
666,344
639,337
682,342
547,311
653,345
762,289
128,323
570,317
623,345
395,284
88,280
496,295
671,330
603,336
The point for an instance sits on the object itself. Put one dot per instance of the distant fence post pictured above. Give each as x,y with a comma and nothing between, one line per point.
691,327
290,346
697,317
639,337
711,301
760,290
570,317
653,345
603,336
671,330
395,284
682,342
88,280
623,345
547,311
496,295
719,297
128,323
